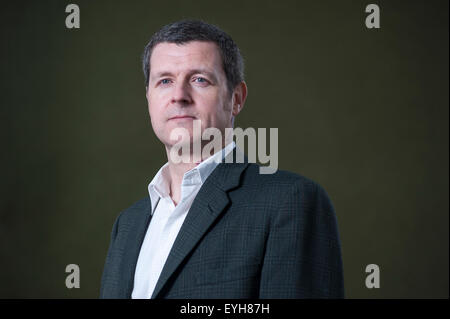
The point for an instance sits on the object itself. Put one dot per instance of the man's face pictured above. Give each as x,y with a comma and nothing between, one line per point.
187,81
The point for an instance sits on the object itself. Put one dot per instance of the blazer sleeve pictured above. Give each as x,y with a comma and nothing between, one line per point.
110,274
303,253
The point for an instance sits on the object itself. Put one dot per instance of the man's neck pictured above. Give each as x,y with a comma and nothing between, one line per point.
177,171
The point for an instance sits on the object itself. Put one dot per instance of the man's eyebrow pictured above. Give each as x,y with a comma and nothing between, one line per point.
203,71
161,74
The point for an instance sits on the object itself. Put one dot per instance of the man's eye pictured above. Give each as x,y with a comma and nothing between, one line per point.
164,81
200,80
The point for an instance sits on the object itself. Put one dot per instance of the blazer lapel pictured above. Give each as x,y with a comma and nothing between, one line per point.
210,201
133,245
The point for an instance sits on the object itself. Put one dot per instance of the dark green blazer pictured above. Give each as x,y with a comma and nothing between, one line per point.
247,235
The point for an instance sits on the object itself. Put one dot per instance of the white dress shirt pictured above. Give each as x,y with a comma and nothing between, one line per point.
167,220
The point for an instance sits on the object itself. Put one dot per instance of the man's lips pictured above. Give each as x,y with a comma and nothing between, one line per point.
180,117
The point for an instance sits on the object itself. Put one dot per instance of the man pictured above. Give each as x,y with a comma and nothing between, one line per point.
210,228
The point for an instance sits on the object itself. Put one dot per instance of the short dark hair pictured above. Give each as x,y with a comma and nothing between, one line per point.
184,31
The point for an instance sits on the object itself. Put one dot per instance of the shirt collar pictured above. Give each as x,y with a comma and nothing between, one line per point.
159,186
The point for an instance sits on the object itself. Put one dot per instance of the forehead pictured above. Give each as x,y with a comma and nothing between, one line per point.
195,54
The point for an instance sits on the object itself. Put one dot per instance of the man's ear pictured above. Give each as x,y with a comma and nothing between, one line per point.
239,97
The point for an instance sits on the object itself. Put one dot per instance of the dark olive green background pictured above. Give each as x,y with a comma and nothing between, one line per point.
362,112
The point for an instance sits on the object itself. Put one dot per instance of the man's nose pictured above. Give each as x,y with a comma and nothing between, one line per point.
181,94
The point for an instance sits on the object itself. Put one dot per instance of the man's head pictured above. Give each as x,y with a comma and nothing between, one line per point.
192,69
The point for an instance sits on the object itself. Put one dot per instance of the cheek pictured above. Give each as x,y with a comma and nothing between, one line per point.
156,117
156,104
153,105
212,103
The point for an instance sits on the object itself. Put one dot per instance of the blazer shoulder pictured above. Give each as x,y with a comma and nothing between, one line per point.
280,177
282,182
136,209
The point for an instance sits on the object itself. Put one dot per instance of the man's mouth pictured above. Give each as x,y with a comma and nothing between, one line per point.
182,117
